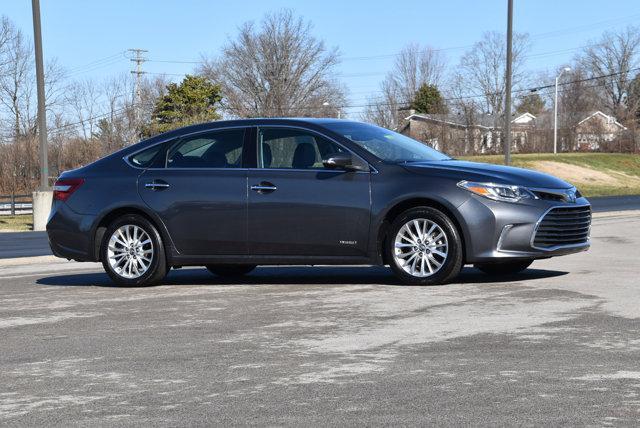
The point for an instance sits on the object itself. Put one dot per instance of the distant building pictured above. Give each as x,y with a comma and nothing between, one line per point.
596,129
482,133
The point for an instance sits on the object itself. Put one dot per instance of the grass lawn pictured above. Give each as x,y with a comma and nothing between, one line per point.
16,222
595,174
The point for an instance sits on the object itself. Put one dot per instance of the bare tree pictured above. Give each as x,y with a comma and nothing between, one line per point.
6,34
414,66
116,127
83,98
576,98
482,69
615,55
15,88
276,69
152,90
15,95
467,109
383,110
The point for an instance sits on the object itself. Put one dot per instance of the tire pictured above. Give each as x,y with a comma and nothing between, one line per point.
429,247
230,270
504,268
148,250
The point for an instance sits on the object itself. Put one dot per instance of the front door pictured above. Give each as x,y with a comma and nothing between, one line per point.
297,207
200,193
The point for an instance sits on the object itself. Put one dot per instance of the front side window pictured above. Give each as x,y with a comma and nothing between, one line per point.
284,148
384,144
215,149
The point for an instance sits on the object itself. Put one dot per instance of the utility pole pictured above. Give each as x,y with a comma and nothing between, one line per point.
139,59
42,118
42,196
507,107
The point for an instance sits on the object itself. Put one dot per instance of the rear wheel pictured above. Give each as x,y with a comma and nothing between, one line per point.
132,252
230,270
424,247
504,268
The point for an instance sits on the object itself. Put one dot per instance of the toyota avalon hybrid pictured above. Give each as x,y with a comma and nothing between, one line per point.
232,195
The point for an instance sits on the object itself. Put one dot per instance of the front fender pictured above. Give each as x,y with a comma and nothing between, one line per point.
391,196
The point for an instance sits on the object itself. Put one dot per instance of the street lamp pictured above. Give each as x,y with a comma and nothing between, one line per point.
555,113
327,104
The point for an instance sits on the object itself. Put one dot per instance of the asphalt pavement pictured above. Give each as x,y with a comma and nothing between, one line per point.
23,244
556,345
615,203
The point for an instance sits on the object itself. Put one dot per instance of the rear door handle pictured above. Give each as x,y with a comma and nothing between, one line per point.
264,187
157,185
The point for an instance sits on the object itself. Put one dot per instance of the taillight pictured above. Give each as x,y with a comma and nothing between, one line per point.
64,187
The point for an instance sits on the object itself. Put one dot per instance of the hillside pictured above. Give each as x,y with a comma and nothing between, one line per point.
595,174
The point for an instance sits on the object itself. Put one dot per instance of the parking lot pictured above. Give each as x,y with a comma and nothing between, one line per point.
558,344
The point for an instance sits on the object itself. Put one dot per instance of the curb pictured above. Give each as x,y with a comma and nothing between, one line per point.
628,213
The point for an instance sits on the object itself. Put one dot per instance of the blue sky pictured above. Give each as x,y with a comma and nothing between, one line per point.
88,36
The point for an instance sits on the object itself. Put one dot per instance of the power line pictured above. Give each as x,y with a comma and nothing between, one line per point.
118,56
586,79
95,67
370,104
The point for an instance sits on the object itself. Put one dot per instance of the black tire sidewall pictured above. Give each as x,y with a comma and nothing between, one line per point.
158,267
452,264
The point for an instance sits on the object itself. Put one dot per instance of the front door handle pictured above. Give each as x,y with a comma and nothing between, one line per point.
157,185
264,187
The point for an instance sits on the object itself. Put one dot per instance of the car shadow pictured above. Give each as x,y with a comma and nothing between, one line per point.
297,275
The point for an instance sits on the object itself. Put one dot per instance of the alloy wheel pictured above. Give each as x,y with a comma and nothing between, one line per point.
420,247
130,251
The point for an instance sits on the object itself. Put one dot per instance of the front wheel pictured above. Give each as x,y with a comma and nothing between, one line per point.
424,247
504,268
230,270
132,252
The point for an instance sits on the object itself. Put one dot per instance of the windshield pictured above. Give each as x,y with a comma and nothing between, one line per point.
384,144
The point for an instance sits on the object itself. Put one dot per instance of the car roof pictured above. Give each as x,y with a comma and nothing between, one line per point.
272,120
242,122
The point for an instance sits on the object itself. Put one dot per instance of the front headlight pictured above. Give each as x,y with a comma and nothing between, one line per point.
497,192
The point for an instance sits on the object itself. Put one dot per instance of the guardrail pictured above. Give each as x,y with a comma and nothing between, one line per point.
16,204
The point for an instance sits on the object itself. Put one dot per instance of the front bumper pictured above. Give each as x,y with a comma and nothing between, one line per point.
501,230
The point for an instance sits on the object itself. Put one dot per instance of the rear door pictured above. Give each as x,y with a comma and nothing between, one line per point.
297,207
200,192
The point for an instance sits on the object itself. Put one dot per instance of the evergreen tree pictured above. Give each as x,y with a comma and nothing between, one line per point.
530,103
194,100
428,100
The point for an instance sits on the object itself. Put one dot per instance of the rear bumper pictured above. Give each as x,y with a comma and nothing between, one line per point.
69,233
500,231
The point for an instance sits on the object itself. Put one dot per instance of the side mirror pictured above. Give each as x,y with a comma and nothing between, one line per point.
345,162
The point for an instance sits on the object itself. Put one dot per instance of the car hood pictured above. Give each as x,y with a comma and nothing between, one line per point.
484,172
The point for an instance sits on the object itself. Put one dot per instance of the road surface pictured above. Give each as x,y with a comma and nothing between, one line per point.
298,346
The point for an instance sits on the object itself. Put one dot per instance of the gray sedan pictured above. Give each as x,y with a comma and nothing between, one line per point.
232,195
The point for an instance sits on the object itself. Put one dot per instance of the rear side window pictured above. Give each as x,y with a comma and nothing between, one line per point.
145,158
216,149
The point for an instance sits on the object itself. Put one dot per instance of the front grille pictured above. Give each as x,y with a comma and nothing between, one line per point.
563,226
548,196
